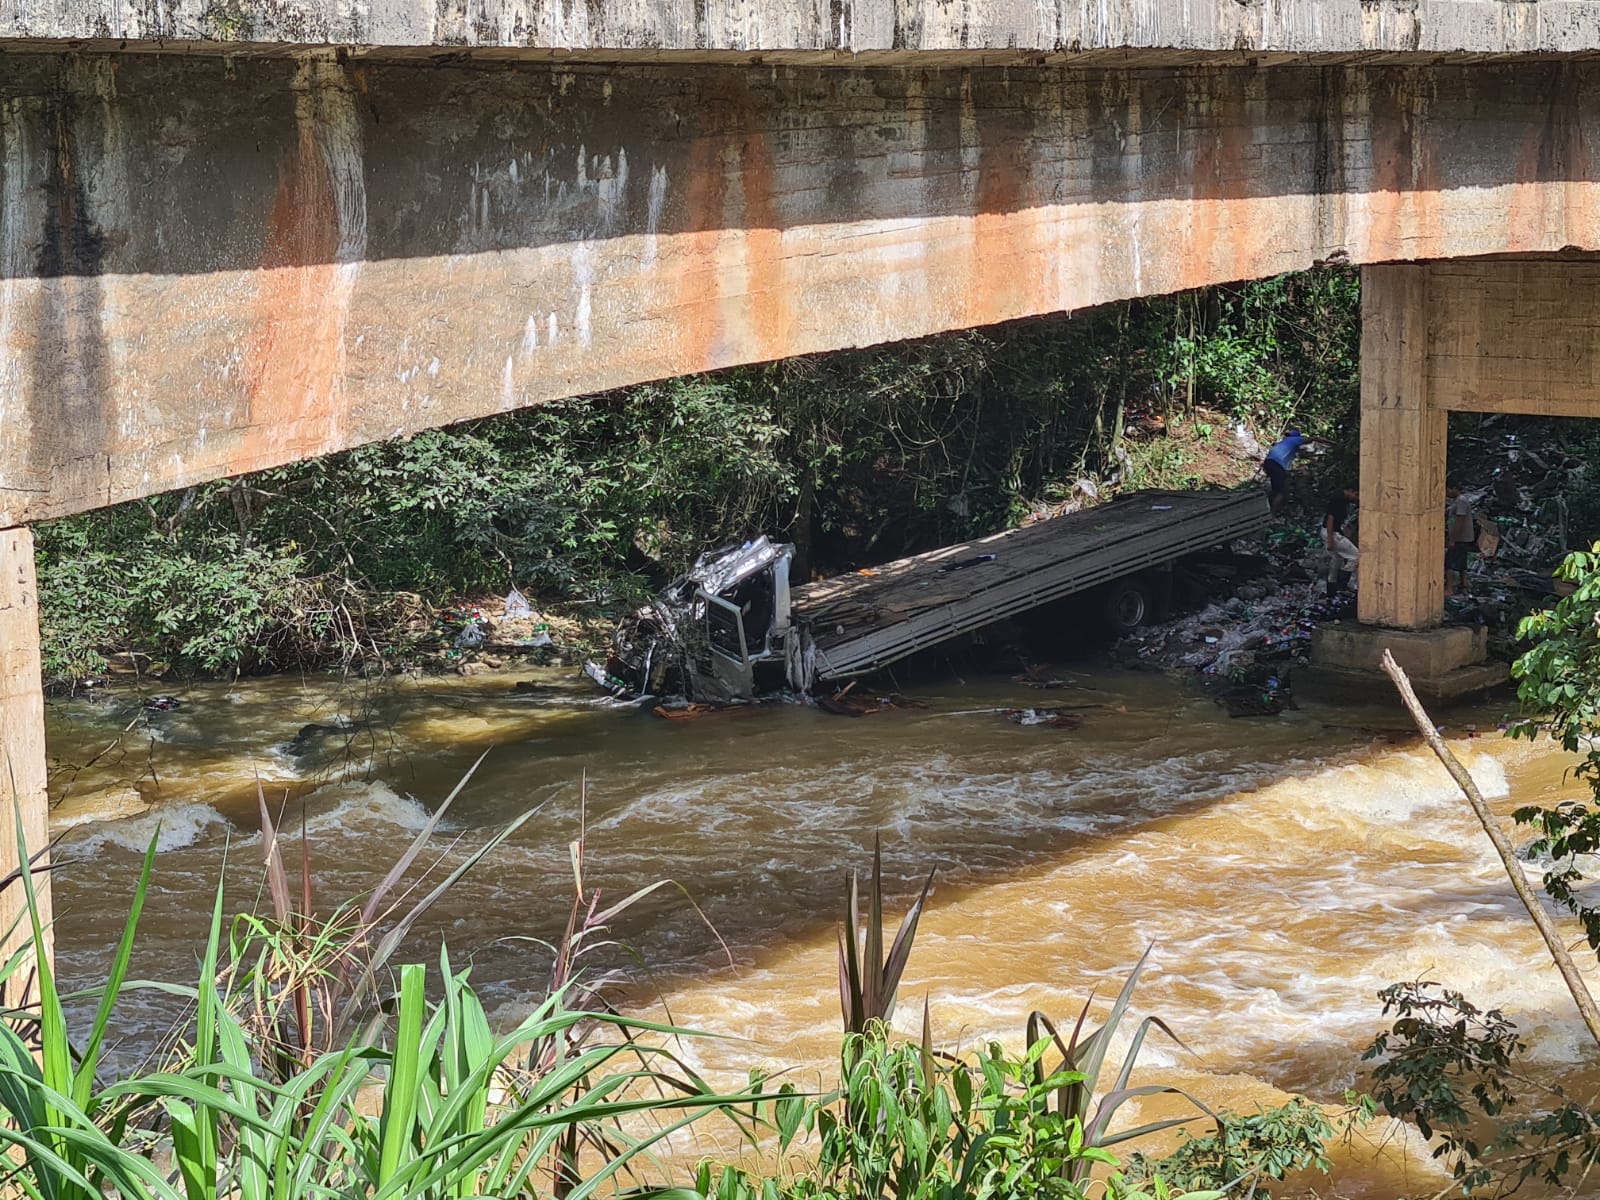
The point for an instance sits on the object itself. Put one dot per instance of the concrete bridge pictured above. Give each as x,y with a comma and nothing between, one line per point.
235,234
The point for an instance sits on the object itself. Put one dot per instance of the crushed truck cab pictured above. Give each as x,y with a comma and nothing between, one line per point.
732,627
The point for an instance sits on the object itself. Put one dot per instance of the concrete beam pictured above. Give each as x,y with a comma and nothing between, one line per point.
1516,336
211,266
665,27
22,754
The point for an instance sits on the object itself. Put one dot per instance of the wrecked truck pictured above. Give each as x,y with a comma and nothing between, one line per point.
733,627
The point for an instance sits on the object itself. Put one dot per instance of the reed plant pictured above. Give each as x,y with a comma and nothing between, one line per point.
287,1083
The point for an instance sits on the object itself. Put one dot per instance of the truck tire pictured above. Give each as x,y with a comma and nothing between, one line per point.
1129,604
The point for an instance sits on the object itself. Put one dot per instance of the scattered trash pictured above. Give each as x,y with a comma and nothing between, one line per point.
843,704
470,637
603,678
538,640
517,606
1051,718
163,704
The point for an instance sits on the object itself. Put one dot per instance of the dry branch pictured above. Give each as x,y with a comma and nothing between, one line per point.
1508,857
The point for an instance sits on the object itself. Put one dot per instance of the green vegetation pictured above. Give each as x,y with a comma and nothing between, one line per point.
1457,1072
1558,685
460,1110
856,457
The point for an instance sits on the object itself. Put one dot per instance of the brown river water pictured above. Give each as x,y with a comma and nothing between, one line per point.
1284,868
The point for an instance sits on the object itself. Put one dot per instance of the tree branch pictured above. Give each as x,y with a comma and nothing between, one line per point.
1508,857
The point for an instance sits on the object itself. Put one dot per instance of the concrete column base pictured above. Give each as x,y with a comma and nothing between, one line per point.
1444,664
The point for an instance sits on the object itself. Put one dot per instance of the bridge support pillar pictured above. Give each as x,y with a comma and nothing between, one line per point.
1403,439
22,757
1402,456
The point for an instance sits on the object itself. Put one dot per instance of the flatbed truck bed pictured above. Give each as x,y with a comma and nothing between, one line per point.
867,620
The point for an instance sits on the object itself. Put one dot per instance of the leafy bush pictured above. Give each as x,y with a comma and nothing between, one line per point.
1269,1144
216,604
1455,1070
918,1126
1559,688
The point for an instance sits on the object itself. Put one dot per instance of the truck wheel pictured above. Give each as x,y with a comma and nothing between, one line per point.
1129,604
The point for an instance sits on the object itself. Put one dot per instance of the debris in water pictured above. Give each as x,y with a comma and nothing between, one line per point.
163,704
1052,718
843,704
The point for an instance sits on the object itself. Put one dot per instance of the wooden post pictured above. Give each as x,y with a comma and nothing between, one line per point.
1402,455
22,760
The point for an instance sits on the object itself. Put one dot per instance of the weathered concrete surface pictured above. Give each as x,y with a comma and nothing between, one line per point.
211,266
1420,653
1403,438
1443,664
1516,335
851,26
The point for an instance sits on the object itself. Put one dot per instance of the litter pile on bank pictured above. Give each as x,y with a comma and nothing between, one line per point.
1258,611
1227,637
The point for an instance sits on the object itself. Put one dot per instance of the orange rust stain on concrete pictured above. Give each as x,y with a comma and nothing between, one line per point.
724,230
771,321
293,360
1218,208
1528,211
1578,184
694,278
1008,268
1427,202
1391,183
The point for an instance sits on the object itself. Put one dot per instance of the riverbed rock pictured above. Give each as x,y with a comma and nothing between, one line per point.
311,736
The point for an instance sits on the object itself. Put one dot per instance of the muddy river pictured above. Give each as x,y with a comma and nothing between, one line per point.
1284,868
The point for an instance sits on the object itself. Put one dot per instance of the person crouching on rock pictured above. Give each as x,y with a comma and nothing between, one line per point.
1343,554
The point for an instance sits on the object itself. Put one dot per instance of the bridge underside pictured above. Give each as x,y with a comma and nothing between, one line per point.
212,265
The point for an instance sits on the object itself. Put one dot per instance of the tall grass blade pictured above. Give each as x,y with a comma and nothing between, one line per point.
202,1153
405,1071
55,1057
277,877
369,911
872,955
900,952
89,1061
391,941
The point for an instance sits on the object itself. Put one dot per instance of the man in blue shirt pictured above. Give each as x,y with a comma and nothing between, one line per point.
1276,465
